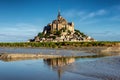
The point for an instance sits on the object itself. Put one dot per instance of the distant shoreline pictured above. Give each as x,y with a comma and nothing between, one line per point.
61,45
94,51
89,47
99,48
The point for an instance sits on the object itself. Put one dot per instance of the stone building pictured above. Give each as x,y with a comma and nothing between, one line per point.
59,24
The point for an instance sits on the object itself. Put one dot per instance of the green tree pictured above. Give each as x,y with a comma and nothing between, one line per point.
54,37
69,32
77,32
40,35
63,29
58,33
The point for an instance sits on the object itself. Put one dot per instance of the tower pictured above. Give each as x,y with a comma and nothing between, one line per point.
59,16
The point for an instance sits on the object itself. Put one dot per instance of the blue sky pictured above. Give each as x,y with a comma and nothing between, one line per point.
21,20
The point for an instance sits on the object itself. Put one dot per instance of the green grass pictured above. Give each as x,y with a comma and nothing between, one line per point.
60,44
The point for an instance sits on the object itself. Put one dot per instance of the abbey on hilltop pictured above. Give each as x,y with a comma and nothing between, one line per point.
59,24
59,31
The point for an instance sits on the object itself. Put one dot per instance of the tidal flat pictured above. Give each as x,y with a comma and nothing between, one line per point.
92,63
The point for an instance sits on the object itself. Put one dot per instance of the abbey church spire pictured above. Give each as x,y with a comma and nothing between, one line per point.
59,15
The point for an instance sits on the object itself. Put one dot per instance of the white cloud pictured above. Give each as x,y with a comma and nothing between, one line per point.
89,22
101,12
83,15
115,7
115,18
19,32
92,14
105,35
73,13
89,15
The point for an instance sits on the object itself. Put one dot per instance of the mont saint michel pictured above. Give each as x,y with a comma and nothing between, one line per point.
61,30
40,42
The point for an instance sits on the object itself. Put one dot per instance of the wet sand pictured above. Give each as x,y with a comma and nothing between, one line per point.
107,68
41,53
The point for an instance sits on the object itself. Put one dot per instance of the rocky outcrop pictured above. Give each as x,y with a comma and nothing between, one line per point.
60,30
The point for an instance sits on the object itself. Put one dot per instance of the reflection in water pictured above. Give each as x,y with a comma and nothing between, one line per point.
53,61
57,64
